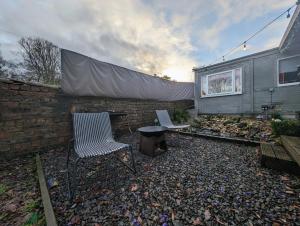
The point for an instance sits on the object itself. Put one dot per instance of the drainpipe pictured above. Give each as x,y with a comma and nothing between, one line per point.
252,104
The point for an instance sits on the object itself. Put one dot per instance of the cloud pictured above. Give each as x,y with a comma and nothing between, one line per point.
125,32
160,37
231,12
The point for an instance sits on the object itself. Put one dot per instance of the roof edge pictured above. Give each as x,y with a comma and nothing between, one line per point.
253,55
290,26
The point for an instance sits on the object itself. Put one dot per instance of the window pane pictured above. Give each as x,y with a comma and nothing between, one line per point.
203,86
220,83
289,70
238,80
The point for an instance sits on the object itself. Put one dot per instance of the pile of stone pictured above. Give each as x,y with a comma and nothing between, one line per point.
233,126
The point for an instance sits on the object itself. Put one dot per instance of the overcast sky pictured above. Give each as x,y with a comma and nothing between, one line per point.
152,36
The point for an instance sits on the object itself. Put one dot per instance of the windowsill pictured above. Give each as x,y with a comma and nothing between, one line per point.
289,84
222,95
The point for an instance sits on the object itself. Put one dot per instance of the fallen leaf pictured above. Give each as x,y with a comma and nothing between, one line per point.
139,219
146,194
134,187
96,224
127,213
284,178
11,208
155,204
173,216
207,215
219,221
75,220
259,174
197,221
178,201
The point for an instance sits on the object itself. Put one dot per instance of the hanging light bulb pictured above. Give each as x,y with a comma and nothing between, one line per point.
288,14
244,46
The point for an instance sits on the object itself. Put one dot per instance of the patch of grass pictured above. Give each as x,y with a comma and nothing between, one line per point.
35,219
32,220
32,205
3,189
3,216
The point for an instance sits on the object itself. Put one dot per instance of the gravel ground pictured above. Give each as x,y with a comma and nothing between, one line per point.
19,193
197,182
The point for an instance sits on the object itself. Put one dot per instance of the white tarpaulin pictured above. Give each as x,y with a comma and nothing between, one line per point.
84,76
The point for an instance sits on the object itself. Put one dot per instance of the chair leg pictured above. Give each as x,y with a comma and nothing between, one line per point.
68,174
132,159
132,166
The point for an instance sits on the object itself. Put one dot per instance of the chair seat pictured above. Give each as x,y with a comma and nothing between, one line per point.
100,148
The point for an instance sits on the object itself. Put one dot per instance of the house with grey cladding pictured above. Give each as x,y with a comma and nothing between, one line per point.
246,85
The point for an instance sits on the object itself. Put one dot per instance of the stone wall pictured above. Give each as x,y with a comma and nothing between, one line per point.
35,118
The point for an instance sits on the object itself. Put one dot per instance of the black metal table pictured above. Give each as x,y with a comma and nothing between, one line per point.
152,140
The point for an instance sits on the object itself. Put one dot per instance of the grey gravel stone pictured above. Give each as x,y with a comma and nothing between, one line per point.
197,176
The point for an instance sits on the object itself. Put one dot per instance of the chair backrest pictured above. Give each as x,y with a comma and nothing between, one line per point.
91,127
164,118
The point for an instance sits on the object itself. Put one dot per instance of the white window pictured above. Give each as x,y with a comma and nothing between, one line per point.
289,71
223,83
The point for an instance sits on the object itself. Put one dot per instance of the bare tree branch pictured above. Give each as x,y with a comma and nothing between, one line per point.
41,60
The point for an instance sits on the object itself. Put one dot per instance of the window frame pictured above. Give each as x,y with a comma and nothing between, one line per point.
277,74
232,83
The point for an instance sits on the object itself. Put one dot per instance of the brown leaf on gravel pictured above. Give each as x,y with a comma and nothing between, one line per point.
146,194
207,214
284,178
289,192
197,221
75,220
134,187
276,224
259,174
219,221
173,215
11,207
155,204
96,224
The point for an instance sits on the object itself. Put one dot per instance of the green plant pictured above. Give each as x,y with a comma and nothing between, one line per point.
32,205
286,127
33,220
276,115
180,115
2,189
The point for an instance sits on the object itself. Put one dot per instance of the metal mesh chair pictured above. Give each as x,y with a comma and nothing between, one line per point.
164,120
93,137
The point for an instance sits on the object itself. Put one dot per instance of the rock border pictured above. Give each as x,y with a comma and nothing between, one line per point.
213,137
48,210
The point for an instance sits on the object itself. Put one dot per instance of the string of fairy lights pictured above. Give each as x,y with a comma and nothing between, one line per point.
243,44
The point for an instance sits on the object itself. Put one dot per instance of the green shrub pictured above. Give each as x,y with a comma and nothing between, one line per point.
286,127
180,115
276,115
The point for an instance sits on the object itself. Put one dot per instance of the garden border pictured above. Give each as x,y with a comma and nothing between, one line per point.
48,209
229,139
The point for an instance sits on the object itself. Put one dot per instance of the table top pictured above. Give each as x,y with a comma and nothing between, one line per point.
152,129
